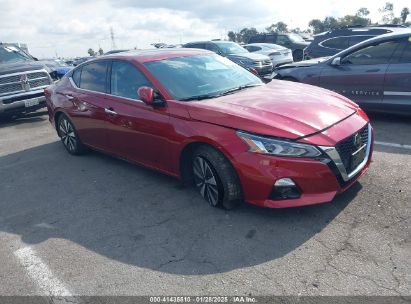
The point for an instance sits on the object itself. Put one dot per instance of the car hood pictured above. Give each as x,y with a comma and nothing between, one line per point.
280,108
9,68
304,63
249,56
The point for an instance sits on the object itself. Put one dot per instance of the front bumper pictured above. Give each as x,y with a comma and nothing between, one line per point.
318,180
22,103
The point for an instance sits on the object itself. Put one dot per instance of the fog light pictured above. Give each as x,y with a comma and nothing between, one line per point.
284,188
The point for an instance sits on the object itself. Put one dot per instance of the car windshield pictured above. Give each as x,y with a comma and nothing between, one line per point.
296,38
230,48
10,54
201,77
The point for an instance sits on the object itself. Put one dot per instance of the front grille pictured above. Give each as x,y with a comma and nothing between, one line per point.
36,75
39,82
349,146
8,79
23,82
12,87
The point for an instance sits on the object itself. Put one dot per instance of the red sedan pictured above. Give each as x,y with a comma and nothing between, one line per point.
198,116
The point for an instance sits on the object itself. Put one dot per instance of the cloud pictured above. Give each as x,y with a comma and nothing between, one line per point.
70,27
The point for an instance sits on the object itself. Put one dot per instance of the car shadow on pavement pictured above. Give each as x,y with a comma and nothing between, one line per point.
23,119
140,217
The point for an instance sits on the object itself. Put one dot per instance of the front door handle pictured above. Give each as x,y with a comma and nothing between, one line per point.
110,111
69,97
373,71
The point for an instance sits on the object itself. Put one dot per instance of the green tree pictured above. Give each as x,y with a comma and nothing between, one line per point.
404,14
279,27
363,12
231,36
91,52
246,33
100,51
387,12
317,26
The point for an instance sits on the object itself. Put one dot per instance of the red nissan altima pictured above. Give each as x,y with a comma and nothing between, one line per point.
198,116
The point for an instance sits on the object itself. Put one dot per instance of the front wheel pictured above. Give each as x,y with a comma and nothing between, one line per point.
215,178
69,136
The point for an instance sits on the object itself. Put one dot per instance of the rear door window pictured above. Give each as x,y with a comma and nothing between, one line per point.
283,39
271,38
339,43
406,55
93,76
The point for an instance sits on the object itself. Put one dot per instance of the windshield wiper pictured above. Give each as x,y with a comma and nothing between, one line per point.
209,96
239,88
200,97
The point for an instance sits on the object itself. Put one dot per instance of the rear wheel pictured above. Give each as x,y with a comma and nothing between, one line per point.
69,136
215,178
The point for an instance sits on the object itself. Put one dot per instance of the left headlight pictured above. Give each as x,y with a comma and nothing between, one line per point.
266,145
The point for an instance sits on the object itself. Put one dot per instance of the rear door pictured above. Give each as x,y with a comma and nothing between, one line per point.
360,76
88,98
397,86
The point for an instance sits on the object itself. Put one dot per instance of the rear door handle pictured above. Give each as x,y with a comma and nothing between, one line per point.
373,71
110,111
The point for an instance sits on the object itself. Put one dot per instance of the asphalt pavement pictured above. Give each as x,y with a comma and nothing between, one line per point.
95,225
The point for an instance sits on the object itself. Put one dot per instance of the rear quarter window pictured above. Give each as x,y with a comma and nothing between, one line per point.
339,43
76,76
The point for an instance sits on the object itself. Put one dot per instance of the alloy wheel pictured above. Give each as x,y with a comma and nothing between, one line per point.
205,180
68,136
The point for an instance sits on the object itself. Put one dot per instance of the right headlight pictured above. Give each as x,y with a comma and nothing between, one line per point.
267,145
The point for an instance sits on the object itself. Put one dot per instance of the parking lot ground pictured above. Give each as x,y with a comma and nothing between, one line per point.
94,225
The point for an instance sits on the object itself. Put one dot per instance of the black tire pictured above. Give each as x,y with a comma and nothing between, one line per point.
69,136
298,55
216,180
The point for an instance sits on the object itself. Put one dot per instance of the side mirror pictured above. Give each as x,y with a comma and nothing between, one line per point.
147,95
336,61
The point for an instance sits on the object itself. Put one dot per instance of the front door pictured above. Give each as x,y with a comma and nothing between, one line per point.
136,131
360,76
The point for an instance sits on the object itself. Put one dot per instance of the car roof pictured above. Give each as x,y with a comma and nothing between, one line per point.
144,56
405,32
361,29
264,44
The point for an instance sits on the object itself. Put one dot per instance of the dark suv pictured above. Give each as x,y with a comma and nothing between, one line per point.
331,42
375,73
291,41
22,81
256,63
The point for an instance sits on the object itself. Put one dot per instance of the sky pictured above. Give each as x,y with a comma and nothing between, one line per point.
68,28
